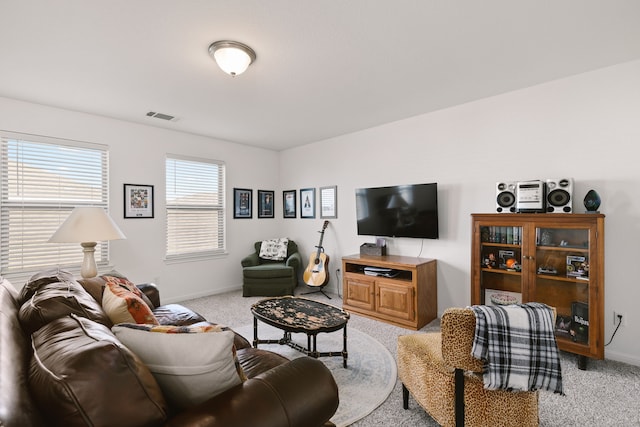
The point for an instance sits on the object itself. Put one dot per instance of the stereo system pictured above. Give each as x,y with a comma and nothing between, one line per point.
555,195
559,195
506,197
530,197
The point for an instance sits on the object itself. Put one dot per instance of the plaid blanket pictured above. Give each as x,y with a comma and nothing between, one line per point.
518,345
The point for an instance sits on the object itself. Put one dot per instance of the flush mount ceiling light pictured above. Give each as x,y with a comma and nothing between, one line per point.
232,57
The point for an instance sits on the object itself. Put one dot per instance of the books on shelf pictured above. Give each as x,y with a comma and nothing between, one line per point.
502,234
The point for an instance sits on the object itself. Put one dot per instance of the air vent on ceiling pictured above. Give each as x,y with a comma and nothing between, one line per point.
161,116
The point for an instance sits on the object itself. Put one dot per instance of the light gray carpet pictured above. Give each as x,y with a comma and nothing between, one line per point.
606,394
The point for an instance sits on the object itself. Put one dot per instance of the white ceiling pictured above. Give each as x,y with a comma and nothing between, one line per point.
323,68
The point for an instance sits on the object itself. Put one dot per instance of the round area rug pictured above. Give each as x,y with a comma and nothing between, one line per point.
363,385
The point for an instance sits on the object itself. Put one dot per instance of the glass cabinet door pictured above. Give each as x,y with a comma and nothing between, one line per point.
562,279
501,265
555,259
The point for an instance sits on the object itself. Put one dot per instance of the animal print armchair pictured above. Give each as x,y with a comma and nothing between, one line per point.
442,376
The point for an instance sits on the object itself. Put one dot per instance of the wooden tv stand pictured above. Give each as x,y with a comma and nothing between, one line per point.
409,299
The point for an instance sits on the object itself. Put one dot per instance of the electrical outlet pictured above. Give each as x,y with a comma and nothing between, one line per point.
623,321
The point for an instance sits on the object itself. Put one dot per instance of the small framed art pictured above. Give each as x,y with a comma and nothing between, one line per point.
289,204
138,201
329,202
242,202
265,204
308,203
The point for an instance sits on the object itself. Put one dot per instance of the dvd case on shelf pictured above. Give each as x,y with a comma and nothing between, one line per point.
579,329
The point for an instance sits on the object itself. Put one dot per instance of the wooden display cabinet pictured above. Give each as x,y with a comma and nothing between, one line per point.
408,299
556,259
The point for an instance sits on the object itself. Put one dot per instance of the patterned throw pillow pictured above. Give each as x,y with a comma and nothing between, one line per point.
274,249
191,363
123,303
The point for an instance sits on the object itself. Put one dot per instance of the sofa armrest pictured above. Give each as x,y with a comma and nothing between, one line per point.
152,292
250,260
300,393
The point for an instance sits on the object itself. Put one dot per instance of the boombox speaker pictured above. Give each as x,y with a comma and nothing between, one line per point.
506,197
559,195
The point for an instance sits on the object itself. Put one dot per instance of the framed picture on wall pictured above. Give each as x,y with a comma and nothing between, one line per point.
242,202
308,203
289,204
265,204
329,202
138,201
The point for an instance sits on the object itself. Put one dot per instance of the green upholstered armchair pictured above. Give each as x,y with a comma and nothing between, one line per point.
263,277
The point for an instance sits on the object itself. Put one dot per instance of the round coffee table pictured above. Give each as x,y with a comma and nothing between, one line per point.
300,315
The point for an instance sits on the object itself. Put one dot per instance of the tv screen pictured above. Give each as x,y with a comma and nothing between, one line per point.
398,211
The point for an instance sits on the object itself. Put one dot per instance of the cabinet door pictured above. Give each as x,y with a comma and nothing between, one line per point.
359,291
563,258
498,253
395,300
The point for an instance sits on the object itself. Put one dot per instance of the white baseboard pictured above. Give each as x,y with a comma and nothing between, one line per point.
329,289
201,294
623,357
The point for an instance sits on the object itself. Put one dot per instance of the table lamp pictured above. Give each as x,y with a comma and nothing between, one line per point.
87,225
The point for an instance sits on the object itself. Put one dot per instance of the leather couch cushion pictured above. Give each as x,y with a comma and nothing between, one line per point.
191,363
82,375
255,361
123,302
95,287
57,296
16,406
41,279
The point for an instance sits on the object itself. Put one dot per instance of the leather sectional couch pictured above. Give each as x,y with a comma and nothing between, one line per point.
87,377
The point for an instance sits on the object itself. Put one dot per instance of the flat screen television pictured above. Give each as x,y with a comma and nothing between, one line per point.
398,211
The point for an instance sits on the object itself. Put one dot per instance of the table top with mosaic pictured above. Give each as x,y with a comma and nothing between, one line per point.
296,314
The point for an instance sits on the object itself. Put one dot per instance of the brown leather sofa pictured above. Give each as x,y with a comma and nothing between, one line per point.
99,382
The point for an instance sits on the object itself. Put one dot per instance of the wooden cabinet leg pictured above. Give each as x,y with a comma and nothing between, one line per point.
582,362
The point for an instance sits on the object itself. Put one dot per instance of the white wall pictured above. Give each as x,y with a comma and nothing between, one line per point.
137,155
586,127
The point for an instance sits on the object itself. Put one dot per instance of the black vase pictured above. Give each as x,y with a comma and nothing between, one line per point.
592,201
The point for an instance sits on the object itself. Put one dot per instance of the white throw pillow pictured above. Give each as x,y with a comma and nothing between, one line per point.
191,364
274,249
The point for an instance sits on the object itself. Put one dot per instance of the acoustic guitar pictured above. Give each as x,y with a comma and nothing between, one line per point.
316,273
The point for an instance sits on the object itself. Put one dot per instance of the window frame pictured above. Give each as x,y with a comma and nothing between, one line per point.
88,169
219,207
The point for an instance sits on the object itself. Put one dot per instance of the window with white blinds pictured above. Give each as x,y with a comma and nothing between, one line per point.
41,180
195,207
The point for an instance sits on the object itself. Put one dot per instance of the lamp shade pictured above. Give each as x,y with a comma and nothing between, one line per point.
232,57
87,224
